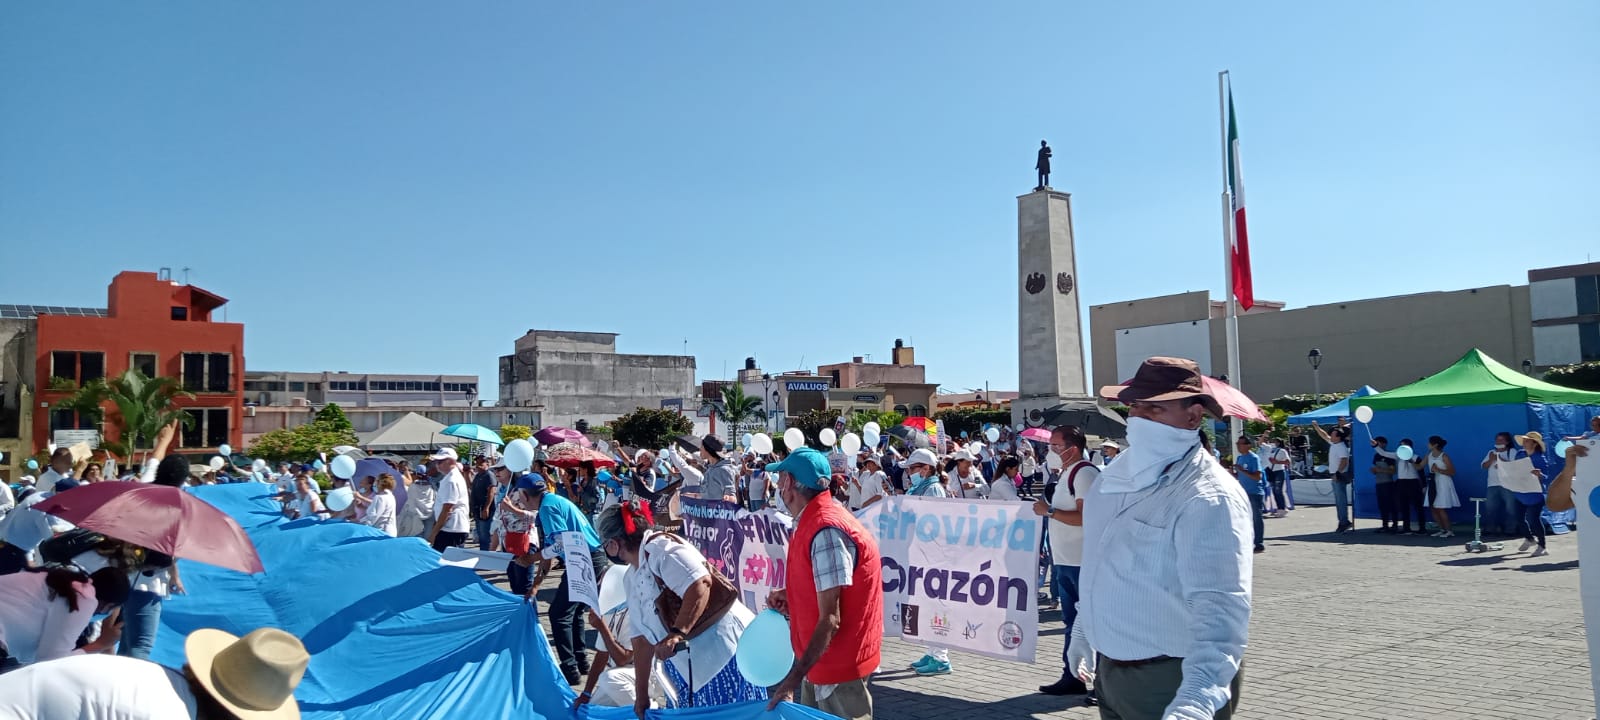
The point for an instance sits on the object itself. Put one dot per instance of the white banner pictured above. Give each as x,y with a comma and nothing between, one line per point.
1586,498
582,587
960,574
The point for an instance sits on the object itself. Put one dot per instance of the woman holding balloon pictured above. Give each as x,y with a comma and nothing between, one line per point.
685,615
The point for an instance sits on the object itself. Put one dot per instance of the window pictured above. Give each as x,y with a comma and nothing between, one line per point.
68,420
209,428
919,411
194,372
1588,290
180,313
79,366
297,387
433,387
207,372
143,362
1589,341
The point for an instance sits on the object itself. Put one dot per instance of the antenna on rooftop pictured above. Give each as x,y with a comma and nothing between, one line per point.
186,276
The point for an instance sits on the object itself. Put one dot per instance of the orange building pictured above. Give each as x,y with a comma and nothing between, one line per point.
163,328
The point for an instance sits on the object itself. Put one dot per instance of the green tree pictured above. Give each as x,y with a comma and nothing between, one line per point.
735,409
812,423
515,432
325,432
650,428
1582,376
143,406
884,418
333,417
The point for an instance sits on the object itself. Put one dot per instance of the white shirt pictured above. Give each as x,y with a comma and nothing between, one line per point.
452,491
872,485
1003,489
1066,541
308,506
1494,470
678,565
1277,458
980,487
1336,452
35,629
1167,571
1406,470
96,687
380,513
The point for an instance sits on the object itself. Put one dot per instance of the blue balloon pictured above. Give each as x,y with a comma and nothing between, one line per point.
765,653
1561,448
317,465
519,456
746,440
33,464
1404,452
1594,502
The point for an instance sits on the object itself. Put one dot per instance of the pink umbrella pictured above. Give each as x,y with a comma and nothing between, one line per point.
161,518
557,435
1234,403
1040,434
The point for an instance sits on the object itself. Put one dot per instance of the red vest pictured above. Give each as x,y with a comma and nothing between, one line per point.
854,652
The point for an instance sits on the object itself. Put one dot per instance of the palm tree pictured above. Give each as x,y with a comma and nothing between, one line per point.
144,406
735,408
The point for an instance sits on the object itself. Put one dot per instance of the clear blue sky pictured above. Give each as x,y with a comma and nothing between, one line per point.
409,186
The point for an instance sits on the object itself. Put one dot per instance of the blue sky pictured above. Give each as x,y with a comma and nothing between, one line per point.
409,186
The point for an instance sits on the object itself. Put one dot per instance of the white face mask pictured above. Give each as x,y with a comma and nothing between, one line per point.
1151,447
1052,461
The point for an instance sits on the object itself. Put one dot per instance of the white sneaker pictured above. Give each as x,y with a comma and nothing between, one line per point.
1439,534
1448,534
1525,545
1541,552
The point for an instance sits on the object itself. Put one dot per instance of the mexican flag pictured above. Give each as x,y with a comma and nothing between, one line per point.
1242,287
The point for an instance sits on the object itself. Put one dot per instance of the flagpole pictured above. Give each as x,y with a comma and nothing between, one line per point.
1231,318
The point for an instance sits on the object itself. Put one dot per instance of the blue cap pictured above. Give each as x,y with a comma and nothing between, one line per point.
808,466
65,484
532,482
308,468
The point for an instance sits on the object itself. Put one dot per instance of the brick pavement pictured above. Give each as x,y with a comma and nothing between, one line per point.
1344,626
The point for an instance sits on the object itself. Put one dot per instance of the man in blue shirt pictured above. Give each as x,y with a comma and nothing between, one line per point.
556,515
1247,467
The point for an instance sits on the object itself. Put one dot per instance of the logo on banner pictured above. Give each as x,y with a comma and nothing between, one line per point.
971,633
908,620
1010,635
940,625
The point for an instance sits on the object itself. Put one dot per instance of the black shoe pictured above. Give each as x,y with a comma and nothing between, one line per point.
1065,686
1261,548
1091,699
572,676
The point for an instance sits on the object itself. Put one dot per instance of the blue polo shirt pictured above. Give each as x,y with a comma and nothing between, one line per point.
558,515
1248,461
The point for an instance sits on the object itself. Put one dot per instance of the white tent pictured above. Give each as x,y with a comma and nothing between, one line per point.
411,433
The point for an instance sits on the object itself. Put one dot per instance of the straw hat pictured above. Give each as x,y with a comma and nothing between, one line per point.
1533,435
254,677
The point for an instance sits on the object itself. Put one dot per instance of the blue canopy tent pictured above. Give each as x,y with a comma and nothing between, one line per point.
1330,414
392,633
1466,404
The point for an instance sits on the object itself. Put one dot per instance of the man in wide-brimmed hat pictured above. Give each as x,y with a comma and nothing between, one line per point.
226,678
1165,596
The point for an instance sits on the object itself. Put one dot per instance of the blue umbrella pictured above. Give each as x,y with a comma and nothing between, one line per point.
474,432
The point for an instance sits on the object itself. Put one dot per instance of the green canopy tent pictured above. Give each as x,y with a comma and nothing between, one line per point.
1466,404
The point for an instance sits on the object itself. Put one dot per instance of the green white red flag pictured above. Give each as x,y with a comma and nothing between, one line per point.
1243,289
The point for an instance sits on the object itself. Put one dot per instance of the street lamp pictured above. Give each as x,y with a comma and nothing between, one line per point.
1527,367
1315,358
766,389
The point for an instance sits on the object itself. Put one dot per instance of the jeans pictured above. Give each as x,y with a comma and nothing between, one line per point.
1066,588
1388,503
1129,691
1342,503
1277,480
1501,512
1410,497
520,578
1533,522
1258,503
480,528
448,539
141,617
566,621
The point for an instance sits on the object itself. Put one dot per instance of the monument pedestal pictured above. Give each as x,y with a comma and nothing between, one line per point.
1049,334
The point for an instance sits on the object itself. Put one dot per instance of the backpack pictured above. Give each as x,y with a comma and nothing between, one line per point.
61,549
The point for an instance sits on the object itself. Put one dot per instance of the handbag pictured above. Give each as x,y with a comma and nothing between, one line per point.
669,603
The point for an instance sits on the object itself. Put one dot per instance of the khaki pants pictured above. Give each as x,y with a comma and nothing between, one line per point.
1142,692
849,700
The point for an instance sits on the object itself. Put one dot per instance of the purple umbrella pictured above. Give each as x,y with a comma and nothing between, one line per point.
557,435
373,467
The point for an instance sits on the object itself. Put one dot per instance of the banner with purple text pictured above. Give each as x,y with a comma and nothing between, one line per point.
747,547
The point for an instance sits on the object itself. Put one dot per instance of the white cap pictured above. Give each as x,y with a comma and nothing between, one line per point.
444,453
961,454
1110,444
921,456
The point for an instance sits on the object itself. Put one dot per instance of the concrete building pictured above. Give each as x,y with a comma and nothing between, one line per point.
1566,314
353,390
786,395
161,327
1382,342
902,384
1050,365
571,376
997,399
262,419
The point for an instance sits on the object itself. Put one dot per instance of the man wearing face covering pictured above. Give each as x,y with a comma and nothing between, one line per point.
1165,597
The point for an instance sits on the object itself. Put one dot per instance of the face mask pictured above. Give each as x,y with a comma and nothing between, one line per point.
1499,446
1151,447
616,559
1052,461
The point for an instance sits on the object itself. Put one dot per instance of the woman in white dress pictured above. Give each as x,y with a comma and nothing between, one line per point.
380,510
417,513
1444,485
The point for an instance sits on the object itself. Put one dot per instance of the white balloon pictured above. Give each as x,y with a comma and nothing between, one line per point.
259,465
225,450
850,443
869,437
992,435
761,443
828,437
794,439
216,463
872,427
518,455
1404,452
343,467
613,588
975,448
1364,414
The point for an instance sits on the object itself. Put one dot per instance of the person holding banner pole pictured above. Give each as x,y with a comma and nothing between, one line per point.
833,592
1164,618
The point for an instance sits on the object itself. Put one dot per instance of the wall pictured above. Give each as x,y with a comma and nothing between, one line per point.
599,387
1106,321
1188,339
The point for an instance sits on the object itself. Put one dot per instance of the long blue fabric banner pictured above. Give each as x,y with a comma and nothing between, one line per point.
392,633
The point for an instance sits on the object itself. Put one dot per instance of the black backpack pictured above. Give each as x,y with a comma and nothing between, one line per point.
61,549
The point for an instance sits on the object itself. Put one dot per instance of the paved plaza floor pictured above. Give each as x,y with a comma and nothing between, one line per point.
1360,625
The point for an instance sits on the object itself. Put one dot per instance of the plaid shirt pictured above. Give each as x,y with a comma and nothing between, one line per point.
833,558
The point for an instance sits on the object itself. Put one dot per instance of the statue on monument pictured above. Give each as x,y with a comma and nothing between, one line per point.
1043,165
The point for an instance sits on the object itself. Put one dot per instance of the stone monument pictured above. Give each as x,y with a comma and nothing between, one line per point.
1049,337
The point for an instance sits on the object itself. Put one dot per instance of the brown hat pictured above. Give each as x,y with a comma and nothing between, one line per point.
1165,378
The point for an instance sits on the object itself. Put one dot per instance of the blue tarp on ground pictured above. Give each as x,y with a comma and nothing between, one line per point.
1330,414
392,634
